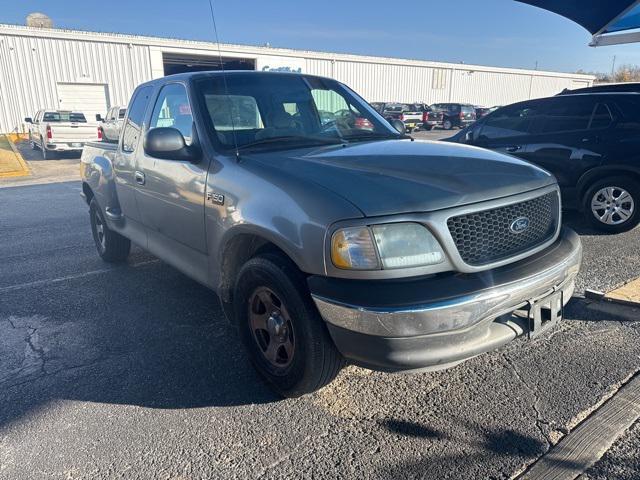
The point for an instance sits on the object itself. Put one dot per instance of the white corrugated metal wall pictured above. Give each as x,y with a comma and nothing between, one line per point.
407,83
34,61
32,67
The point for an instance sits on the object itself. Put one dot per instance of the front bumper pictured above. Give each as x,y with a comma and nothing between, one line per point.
438,321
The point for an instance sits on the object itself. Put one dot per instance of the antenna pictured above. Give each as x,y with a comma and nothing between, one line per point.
224,79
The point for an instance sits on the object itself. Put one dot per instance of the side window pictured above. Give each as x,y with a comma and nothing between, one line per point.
564,115
133,125
630,119
172,109
601,117
509,122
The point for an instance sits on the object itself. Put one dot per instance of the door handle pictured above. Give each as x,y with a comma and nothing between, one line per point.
513,148
139,178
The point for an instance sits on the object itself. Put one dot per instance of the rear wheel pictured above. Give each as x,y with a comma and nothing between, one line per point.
447,125
281,328
112,247
32,144
611,205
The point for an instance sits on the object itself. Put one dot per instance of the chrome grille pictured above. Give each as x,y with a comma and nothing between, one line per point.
486,236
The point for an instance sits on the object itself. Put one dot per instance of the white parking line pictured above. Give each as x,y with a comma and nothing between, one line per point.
49,281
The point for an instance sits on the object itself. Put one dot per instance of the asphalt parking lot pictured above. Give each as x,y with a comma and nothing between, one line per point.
132,372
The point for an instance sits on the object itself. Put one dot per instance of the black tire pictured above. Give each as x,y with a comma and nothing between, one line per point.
112,247
631,186
447,125
32,144
428,128
314,361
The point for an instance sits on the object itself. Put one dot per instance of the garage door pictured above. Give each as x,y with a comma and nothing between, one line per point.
83,97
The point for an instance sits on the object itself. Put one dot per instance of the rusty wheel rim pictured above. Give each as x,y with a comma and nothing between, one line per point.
271,327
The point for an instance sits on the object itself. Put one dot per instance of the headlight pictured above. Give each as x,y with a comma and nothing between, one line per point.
394,245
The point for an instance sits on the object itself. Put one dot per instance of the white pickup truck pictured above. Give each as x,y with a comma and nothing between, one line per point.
57,131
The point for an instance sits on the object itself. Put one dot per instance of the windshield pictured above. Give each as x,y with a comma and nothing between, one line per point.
64,117
260,109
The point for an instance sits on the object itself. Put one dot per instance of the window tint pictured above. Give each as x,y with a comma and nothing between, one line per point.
509,122
564,115
601,117
133,126
468,109
122,113
630,120
173,110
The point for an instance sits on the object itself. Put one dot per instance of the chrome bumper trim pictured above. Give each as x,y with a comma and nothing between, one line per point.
461,312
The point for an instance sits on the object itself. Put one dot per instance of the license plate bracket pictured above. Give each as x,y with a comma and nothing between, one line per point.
545,313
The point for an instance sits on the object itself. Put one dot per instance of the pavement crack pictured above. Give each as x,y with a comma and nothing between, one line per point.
541,423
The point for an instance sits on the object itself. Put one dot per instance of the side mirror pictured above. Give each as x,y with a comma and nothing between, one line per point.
99,118
28,120
168,143
399,126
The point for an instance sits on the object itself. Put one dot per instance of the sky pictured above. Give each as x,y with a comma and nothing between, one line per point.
500,33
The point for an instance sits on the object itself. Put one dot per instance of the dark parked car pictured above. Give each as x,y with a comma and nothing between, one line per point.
606,87
431,117
590,142
456,114
482,112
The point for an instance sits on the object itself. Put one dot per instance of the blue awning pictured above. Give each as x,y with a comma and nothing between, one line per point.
609,21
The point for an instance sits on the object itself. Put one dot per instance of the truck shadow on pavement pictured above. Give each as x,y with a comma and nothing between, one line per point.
145,336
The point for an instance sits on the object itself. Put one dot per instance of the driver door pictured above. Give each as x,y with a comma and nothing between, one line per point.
171,193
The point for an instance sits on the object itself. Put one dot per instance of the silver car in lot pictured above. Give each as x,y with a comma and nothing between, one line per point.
328,243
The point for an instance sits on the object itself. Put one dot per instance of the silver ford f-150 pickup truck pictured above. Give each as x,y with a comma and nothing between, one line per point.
331,238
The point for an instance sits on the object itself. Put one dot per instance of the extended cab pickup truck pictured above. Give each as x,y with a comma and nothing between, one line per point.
58,130
327,243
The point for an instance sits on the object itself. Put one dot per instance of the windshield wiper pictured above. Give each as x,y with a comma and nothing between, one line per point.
287,139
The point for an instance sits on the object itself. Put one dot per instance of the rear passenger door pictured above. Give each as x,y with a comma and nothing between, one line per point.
125,164
566,140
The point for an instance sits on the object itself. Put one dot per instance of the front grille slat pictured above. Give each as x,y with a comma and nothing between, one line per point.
485,236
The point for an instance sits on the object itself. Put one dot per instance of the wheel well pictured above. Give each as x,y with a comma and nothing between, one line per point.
596,176
237,252
88,193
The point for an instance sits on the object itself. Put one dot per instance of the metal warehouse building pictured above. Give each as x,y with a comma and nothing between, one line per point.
89,72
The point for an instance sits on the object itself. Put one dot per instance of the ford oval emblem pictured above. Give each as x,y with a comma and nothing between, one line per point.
519,225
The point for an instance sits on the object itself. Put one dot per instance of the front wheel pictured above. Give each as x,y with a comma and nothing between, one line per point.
281,328
112,247
611,205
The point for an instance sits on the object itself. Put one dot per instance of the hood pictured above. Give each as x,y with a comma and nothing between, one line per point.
401,176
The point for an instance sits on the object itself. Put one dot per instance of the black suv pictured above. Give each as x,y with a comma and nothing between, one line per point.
456,114
590,142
